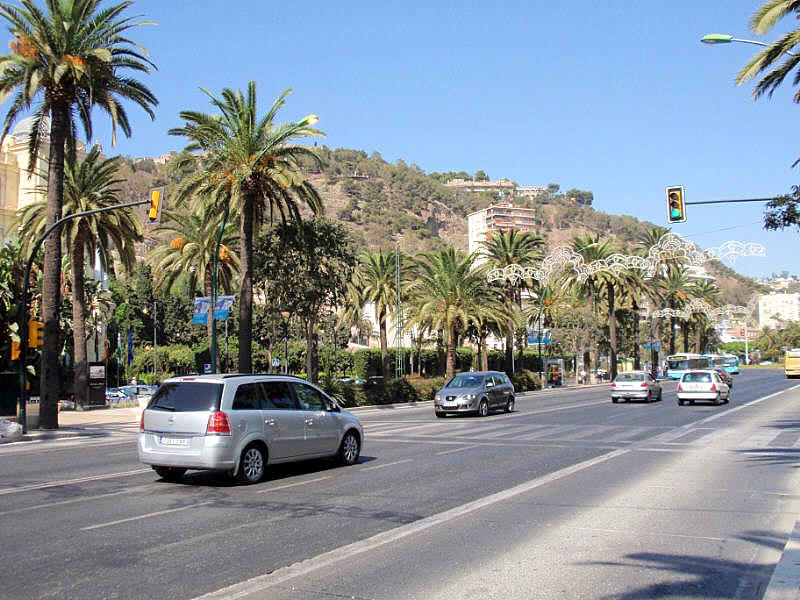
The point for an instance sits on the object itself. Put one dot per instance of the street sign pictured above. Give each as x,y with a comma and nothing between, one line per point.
207,368
276,362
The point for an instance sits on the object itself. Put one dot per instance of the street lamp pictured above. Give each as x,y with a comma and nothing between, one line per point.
724,38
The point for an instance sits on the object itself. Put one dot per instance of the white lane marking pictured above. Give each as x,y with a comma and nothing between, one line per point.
391,464
638,533
327,559
41,486
761,439
291,485
457,449
147,516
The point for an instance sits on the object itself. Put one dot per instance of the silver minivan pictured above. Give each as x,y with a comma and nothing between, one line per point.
242,423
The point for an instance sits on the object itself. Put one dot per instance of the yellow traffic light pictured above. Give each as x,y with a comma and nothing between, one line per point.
35,334
14,350
156,204
676,204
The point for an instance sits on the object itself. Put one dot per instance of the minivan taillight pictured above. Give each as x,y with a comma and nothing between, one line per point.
713,387
644,384
613,384
218,424
680,387
141,422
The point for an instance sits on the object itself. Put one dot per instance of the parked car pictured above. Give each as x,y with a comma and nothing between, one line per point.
635,385
352,381
702,385
123,394
475,392
241,424
725,376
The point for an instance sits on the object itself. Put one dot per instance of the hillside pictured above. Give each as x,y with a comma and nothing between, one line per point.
378,200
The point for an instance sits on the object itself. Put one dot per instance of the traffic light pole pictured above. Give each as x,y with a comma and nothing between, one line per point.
23,309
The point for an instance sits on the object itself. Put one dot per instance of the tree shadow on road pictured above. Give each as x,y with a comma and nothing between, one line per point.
697,576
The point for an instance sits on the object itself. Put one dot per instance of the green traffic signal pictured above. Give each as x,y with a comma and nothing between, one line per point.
676,204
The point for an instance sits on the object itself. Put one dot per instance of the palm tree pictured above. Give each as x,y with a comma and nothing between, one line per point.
709,292
593,249
506,248
676,293
89,183
779,56
69,58
251,162
188,258
377,280
445,294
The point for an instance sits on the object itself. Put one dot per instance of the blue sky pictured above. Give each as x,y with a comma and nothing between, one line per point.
616,97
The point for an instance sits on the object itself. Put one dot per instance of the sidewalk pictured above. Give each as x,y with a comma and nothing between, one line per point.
80,423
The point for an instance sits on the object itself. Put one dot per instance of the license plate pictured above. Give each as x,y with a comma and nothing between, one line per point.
173,441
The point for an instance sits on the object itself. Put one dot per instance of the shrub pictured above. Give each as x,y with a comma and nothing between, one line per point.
525,380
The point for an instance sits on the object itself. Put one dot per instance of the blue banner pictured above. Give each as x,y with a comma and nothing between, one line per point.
130,347
533,336
222,309
201,305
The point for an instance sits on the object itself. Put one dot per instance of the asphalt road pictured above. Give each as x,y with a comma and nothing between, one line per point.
570,496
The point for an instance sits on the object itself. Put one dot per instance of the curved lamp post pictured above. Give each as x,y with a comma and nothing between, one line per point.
724,38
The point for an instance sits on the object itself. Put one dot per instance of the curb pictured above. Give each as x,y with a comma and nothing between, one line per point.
783,585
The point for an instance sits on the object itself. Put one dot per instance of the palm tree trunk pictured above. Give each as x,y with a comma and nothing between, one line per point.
450,369
672,335
589,355
51,297
686,336
508,367
698,337
246,288
80,382
612,330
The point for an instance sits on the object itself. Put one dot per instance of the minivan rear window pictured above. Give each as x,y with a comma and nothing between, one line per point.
187,396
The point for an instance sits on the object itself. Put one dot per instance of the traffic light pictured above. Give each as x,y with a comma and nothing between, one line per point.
14,350
35,334
156,203
676,204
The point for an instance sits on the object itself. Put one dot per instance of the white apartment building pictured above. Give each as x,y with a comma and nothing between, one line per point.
773,308
503,216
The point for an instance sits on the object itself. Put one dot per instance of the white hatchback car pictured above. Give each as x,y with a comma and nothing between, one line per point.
702,385
242,423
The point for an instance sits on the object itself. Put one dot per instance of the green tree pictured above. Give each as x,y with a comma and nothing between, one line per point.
186,262
250,162
303,267
67,59
89,183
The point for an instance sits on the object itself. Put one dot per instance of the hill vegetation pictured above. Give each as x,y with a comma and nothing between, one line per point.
377,200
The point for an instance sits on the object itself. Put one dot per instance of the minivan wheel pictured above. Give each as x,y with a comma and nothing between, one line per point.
510,405
483,408
251,464
349,449
169,473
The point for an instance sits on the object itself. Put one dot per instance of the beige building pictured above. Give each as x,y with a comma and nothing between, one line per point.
503,216
18,187
774,308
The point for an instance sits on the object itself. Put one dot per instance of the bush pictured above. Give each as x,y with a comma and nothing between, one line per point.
525,380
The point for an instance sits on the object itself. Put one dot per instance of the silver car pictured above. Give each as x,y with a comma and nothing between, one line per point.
635,385
242,423
703,385
475,392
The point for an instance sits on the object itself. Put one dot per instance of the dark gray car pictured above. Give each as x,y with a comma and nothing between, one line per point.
475,392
